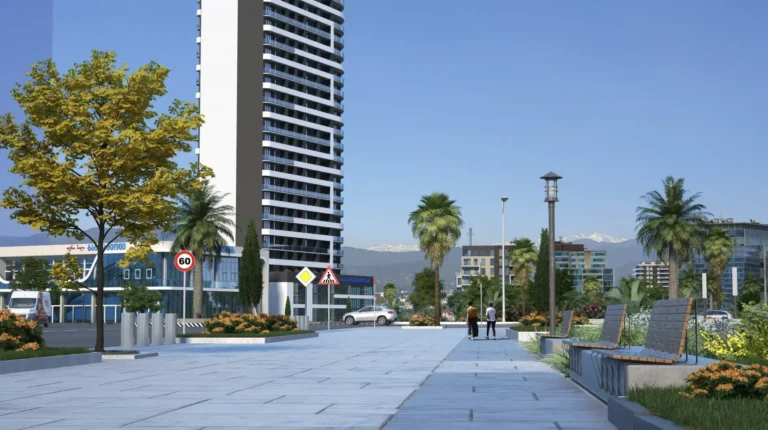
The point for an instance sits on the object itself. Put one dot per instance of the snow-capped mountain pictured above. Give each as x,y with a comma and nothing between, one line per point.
597,237
394,248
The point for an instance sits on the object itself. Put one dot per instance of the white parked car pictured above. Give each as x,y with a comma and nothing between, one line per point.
381,314
715,315
25,304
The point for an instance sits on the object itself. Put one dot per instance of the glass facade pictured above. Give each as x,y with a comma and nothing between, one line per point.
349,286
584,264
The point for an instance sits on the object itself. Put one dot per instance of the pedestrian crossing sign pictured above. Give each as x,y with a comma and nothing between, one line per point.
328,278
305,276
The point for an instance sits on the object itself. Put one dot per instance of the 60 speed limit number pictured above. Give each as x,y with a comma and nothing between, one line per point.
184,261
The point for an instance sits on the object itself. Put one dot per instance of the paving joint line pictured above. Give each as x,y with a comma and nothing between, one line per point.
557,425
321,410
130,379
473,389
276,398
386,421
38,395
43,424
135,388
365,385
164,413
17,412
42,385
471,415
249,387
535,396
164,394
406,399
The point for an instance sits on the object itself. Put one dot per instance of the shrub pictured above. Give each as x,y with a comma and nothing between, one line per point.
586,333
728,346
422,321
754,323
535,319
514,314
579,319
227,322
727,380
592,311
18,334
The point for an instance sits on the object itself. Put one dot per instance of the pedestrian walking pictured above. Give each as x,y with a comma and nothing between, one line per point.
490,320
472,321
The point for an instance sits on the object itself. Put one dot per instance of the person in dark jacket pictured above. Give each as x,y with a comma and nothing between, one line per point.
472,321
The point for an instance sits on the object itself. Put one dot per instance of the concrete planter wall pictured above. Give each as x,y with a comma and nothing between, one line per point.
522,336
42,363
142,330
170,329
157,328
628,415
244,340
425,327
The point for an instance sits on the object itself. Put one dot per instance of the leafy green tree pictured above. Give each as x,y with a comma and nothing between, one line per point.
491,290
421,297
349,305
138,298
654,291
204,227
390,295
92,152
522,256
690,282
563,284
33,276
436,223
751,291
287,306
457,303
670,225
718,248
249,279
592,288
539,291
573,300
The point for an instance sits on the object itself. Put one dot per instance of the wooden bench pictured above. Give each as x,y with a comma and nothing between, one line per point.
610,336
565,328
667,331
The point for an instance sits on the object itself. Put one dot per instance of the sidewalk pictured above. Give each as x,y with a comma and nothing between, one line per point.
497,384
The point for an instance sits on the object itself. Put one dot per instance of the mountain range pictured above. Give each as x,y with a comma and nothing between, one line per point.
399,263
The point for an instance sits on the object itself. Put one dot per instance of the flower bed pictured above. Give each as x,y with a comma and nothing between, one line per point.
422,321
702,413
228,323
725,380
17,334
41,352
528,328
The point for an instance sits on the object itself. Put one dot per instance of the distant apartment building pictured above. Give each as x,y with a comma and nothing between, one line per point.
751,240
583,263
482,260
656,271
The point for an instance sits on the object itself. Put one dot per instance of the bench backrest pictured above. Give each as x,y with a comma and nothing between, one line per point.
613,324
669,325
565,325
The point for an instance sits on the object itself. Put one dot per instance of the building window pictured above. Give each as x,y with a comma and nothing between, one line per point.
482,271
475,261
149,273
466,261
493,261
482,261
126,274
137,273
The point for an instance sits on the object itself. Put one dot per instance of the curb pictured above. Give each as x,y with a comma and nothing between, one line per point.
628,415
424,327
108,356
242,340
43,363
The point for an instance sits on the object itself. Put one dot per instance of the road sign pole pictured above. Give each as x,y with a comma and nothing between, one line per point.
329,306
184,304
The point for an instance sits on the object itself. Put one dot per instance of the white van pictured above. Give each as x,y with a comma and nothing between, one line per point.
25,303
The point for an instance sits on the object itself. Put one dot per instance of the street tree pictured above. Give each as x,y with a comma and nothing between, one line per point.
718,248
92,151
423,288
33,276
138,298
249,277
522,256
539,290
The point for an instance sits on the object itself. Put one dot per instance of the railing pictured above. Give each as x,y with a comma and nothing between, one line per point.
338,185
294,191
297,248
338,132
338,212
293,78
338,92
338,266
338,158
283,46
266,157
279,102
293,22
339,105
341,2
305,137
82,313
338,239
277,217
338,39
338,26
338,252
338,52
338,199
338,79
338,145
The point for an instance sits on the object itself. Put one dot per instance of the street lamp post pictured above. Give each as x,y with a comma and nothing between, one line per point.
550,188
503,266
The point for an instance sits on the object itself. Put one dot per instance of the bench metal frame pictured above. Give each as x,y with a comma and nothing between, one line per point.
565,327
610,337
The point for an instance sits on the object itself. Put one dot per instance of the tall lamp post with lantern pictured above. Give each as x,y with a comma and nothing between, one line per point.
503,266
550,188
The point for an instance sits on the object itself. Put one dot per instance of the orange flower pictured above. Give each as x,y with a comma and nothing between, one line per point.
724,387
762,383
31,346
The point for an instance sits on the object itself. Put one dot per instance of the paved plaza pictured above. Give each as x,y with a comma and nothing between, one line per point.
345,379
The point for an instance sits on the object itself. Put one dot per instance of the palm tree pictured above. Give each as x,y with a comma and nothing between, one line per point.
437,224
203,226
753,289
690,282
522,256
718,248
671,226
628,293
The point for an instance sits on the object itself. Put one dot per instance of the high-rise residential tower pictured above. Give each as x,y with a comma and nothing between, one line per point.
271,91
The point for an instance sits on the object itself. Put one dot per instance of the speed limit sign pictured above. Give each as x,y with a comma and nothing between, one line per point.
184,261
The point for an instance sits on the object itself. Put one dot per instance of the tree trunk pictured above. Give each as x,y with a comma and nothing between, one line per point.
522,298
673,275
438,308
718,293
99,296
197,289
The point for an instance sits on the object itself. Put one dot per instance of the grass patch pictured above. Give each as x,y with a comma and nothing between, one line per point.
42,352
534,347
270,334
586,333
703,414
528,328
753,360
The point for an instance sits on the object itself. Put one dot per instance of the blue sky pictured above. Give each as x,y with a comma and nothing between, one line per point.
480,100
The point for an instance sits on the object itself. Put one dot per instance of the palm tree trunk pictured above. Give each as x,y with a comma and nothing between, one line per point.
197,289
522,298
673,275
718,290
438,308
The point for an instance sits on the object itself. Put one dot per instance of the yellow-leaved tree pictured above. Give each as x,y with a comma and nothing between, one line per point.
92,151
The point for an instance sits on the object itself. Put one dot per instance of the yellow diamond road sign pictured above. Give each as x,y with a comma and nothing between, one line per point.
305,276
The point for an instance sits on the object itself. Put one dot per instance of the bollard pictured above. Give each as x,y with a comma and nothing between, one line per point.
142,330
170,328
127,330
157,328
